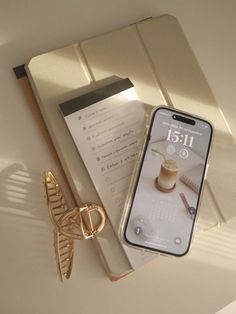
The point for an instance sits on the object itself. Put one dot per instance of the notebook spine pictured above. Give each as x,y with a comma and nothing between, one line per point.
193,186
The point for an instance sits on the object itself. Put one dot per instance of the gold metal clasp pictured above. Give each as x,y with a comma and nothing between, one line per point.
80,223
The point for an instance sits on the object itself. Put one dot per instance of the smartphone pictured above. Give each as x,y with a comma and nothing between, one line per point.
162,207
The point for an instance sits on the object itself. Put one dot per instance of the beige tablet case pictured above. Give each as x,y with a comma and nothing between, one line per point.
157,58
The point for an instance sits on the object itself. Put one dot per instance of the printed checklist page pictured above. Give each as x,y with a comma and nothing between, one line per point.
108,130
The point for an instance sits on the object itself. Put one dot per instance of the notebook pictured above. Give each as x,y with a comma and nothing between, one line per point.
108,127
192,179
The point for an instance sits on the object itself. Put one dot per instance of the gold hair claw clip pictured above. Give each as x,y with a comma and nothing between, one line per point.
80,223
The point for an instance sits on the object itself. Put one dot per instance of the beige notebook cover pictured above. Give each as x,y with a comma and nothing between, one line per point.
156,57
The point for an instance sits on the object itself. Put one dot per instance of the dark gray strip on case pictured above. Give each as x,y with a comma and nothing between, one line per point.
20,71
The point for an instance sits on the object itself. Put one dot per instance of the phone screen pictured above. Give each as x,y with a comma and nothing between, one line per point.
167,191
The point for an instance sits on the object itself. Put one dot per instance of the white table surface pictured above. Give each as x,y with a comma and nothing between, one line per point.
203,282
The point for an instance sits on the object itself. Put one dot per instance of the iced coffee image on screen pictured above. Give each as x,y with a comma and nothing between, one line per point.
166,180
167,193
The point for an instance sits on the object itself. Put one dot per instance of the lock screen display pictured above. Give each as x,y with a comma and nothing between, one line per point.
167,191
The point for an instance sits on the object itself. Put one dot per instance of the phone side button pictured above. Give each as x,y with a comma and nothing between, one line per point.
207,166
